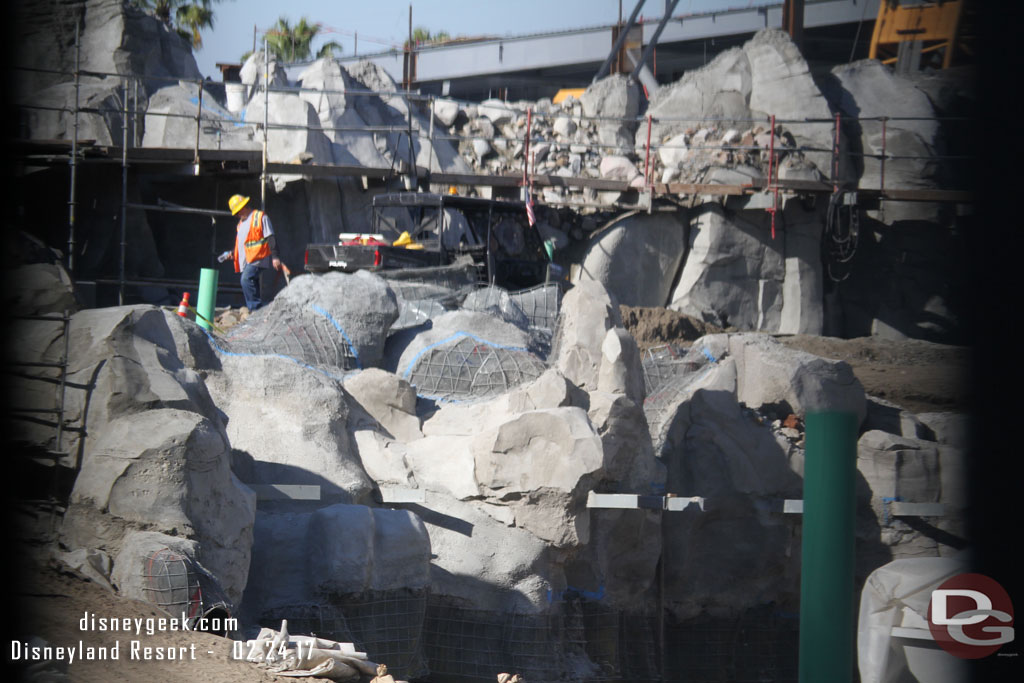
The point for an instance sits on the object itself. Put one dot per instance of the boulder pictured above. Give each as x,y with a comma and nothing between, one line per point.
888,417
388,399
41,288
636,257
293,136
115,38
352,313
486,564
288,424
737,274
335,110
953,429
618,168
56,121
868,89
674,151
769,372
620,361
613,97
497,111
895,468
166,571
588,313
713,448
384,459
312,558
175,475
446,111
254,74
757,80
564,127
156,456
781,84
170,122
733,273
465,355
629,456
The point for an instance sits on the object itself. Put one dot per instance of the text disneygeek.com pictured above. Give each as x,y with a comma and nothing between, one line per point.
35,650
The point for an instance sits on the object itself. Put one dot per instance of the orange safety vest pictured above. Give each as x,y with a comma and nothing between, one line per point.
256,245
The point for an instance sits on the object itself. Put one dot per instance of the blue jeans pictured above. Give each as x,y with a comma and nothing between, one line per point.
251,286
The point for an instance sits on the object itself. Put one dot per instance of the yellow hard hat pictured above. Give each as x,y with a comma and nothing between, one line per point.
236,203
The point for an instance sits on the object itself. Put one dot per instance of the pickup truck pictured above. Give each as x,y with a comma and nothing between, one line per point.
417,230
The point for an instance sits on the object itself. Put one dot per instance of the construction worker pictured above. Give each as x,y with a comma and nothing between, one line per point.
255,248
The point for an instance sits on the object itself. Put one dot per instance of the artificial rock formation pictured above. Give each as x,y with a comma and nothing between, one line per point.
156,455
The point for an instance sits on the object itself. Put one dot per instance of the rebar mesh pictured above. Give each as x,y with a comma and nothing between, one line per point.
387,626
497,302
176,584
309,336
668,376
465,367
424,293
541,305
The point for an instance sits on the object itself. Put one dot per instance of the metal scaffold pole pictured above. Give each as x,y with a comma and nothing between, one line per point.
74,159
266,122
124,192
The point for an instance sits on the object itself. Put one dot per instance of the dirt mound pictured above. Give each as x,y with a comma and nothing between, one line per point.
918,375
652,327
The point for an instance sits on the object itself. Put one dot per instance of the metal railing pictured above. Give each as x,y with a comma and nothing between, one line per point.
413,128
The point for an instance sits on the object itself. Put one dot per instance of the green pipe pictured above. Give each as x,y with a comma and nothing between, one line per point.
827,615
207,296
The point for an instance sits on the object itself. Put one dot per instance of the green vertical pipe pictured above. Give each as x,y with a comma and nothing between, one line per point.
827,621
207,296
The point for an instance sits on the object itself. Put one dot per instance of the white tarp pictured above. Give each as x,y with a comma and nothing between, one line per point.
894,644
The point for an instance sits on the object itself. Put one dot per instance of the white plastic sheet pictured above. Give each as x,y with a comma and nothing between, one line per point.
896,596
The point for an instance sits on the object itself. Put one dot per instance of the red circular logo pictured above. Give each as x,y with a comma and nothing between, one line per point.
970,616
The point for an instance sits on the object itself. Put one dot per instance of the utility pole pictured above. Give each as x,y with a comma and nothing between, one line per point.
793,20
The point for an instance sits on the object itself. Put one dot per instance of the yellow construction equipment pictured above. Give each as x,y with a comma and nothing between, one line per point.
566,92
934,28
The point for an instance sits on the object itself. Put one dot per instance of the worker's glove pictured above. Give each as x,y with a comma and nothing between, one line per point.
224,257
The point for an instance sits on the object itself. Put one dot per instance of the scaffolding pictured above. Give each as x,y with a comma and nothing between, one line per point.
227,163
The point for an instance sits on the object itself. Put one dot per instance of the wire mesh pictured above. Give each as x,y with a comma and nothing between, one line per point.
470,368
177,585
386,625
427,638
476,645
424,293
498,302
308,336
668,376
540,304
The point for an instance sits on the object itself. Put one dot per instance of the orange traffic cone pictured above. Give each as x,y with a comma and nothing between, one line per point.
183,306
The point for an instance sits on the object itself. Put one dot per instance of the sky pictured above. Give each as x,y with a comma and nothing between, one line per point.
381,24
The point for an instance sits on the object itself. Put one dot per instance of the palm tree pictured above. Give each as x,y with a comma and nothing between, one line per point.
329,49
187,17
421,36
290,43
191,19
